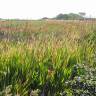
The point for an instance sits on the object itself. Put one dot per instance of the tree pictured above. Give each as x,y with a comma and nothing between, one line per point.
70,16
44,18
82,14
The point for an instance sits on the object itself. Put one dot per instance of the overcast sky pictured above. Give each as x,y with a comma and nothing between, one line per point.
35,9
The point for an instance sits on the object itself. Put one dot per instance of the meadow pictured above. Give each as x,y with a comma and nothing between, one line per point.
47,58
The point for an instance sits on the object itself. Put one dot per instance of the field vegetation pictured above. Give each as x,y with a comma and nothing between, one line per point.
47,58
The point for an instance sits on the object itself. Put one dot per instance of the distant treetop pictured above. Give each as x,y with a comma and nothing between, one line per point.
70,16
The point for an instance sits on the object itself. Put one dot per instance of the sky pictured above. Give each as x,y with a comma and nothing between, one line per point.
36,9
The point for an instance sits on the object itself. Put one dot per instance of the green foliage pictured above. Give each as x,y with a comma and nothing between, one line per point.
84,83
70,16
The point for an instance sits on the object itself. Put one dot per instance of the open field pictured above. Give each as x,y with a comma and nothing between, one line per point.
48,57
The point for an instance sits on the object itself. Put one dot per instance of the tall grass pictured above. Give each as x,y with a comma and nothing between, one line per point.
42,55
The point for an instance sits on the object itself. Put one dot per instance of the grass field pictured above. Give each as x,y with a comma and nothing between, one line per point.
47,58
